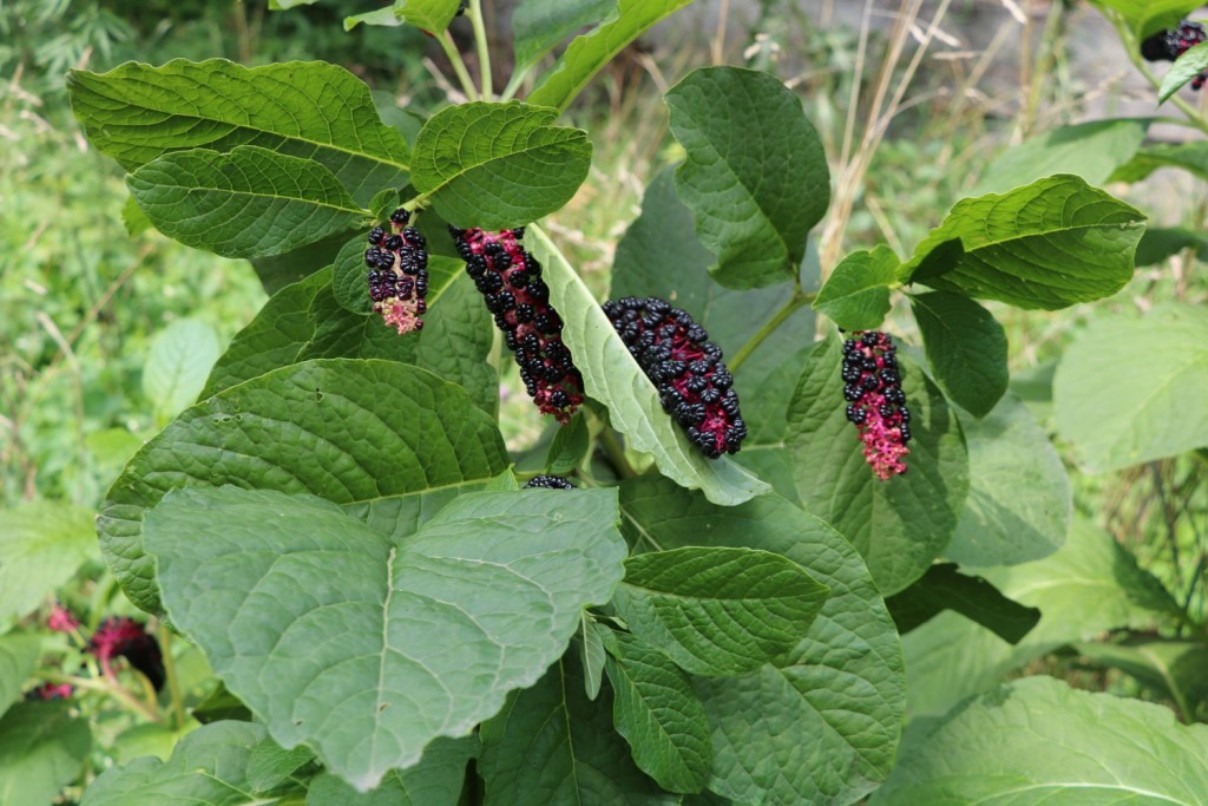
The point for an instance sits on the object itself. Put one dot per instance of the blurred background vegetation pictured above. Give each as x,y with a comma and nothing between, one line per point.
83,303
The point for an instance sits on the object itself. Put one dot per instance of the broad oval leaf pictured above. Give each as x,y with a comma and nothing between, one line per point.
539,25
659,715
943,587
42,545
840,694
755,174
1126,390
313,110
1185,68
587,54
900,525
391,443
367,647
856,294
1050,244
718,611
250,202
1039,741
498,165
180,359
43,748
19,656
613,377
966,348
1191,157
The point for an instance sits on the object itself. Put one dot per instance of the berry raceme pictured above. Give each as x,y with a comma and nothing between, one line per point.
509,279
548,483
398,273
1168,45
127,638
694,385
876,402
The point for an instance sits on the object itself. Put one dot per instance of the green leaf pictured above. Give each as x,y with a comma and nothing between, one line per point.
1191,157
270,766
209,766
550,744
943,587
1146,17
755,174
1186,67
221,705
42,749
432,16
180,359
500,578
539,25
838,696
19,656
1092,150
1089,586
312,110
277,271
570,446
1050,244
1123,388
966,348
718,611
498,165
1173,668
1020,500
1159,243
250,202
42,544
856,295
591,640
132,216
588,54
1039,741
382,17
437,780
389,442
659,715
899,525
613,377
457,340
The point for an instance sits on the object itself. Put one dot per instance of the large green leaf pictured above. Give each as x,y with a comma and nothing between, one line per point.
1092,150
718,611
250,202
943,587
210,766
432,16
19,656
550,744
1172,667
613,377
1020,501
966,349
1160,243
314,110
437,780
1146,17
391,443
367,647
755,174
1126,389
838,696
1191,157
1186,67
539,25
856,294
180,358
1050,244
659,715
588,54
498,165
1039,741
899,525
42,544
1089,586
277,271
43,747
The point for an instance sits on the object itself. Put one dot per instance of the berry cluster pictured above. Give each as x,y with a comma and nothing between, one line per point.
509,279
694,385
548,483
1166,46
127,638
876,402
398,273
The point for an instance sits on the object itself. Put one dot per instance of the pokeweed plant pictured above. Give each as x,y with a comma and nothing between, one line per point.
339,527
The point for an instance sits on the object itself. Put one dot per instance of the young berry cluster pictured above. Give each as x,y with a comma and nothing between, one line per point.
127,638
675,353
1166,46
876,402
398,273
548,483
509,279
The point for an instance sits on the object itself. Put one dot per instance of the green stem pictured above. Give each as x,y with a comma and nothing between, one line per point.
513,85
106,685
178,705
769,327
459,66
616,452
484,50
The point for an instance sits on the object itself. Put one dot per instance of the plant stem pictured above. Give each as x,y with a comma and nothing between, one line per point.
513,85
616,452
796,301
459,66
107,685
178,707
484,50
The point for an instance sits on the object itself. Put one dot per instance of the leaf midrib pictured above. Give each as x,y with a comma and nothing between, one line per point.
570,136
